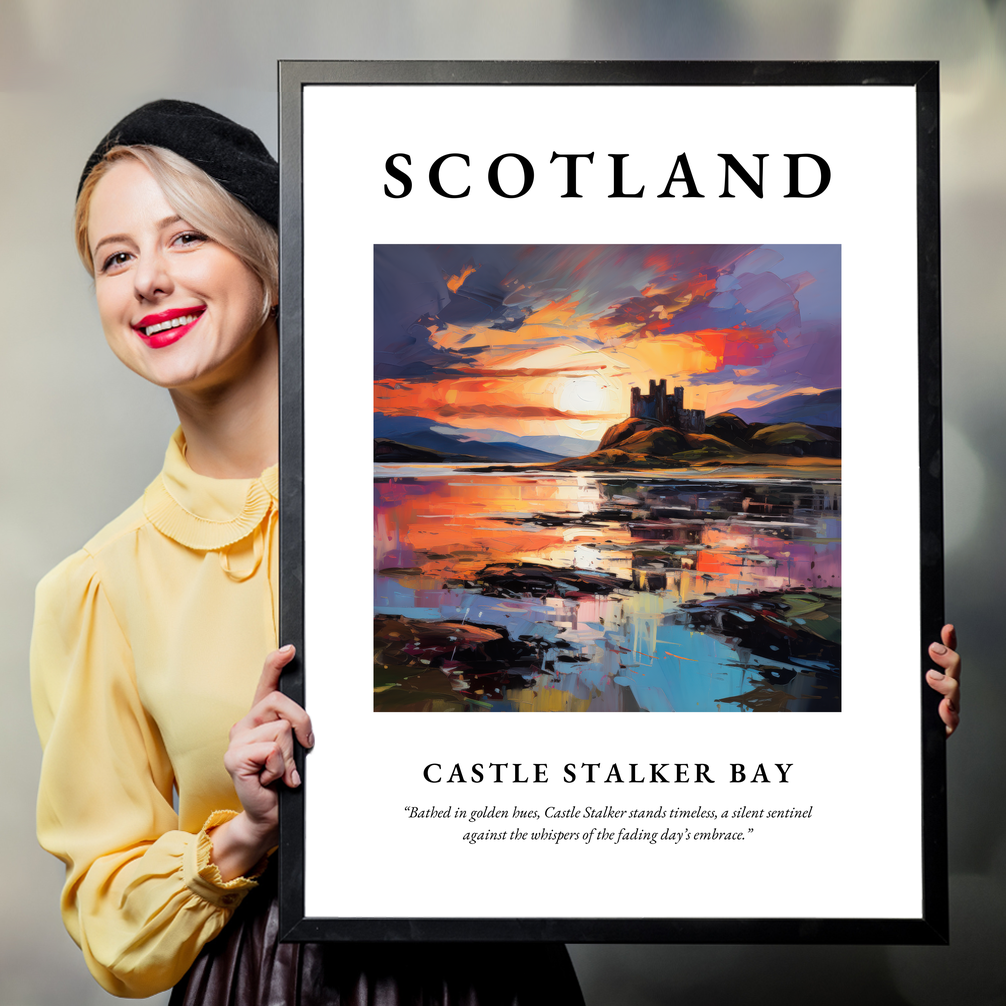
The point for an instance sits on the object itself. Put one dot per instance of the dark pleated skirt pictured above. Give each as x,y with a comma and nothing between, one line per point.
246,965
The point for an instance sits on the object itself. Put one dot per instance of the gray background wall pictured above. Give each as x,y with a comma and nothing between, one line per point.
81,436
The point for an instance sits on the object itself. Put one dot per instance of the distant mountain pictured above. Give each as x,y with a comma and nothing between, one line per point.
390,451
563,447
824,409
413,432
435,447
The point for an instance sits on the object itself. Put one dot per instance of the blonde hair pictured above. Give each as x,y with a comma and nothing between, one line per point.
199,200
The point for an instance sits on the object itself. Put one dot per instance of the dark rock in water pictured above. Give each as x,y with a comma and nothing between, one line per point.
794,628
762,699
412,640
522,579
432,664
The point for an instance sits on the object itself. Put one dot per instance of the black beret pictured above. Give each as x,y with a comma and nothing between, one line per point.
231,154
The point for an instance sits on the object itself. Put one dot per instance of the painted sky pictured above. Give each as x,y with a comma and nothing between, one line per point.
547,340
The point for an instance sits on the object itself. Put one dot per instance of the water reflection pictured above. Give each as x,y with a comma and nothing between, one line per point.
513,592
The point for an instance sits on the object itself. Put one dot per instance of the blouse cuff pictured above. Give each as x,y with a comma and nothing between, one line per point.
202,876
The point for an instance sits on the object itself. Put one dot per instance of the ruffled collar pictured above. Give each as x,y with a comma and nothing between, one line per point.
203,513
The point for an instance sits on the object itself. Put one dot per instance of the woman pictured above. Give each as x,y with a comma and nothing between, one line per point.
149,642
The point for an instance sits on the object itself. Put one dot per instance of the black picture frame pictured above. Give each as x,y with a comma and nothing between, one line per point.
931,927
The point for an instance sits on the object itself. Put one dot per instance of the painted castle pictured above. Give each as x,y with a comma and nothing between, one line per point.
668,410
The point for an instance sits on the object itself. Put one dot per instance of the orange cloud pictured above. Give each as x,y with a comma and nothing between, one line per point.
558,312
454,282
701,352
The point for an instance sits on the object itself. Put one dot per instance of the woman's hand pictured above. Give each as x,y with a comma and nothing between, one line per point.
947,682
260,753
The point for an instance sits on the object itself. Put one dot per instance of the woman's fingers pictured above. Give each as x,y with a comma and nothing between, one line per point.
278,735
949,636
948,659
274,766
271,671
949,688
259,761
946,681
261,749
270,703
277,706
949,712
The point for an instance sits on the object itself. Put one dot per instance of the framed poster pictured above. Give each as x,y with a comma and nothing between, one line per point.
648,527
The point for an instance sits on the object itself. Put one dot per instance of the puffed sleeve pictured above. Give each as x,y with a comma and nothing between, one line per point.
141,897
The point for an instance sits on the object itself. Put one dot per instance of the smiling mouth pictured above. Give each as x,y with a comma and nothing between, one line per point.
177,321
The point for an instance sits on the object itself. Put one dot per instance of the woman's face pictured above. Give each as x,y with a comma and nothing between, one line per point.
177,308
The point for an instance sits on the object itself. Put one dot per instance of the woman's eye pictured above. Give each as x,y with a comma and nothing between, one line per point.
114,261
190,238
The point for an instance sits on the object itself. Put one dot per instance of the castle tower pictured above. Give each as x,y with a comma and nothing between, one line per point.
668,410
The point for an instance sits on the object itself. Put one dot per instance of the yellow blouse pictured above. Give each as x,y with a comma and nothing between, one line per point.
147,647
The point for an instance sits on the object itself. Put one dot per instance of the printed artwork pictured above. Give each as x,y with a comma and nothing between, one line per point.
607,478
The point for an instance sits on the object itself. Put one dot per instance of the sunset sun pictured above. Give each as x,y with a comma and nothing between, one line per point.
585,394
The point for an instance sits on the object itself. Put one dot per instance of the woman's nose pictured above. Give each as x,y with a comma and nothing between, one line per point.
152,277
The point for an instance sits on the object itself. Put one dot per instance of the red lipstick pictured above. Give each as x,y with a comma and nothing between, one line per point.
166,327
